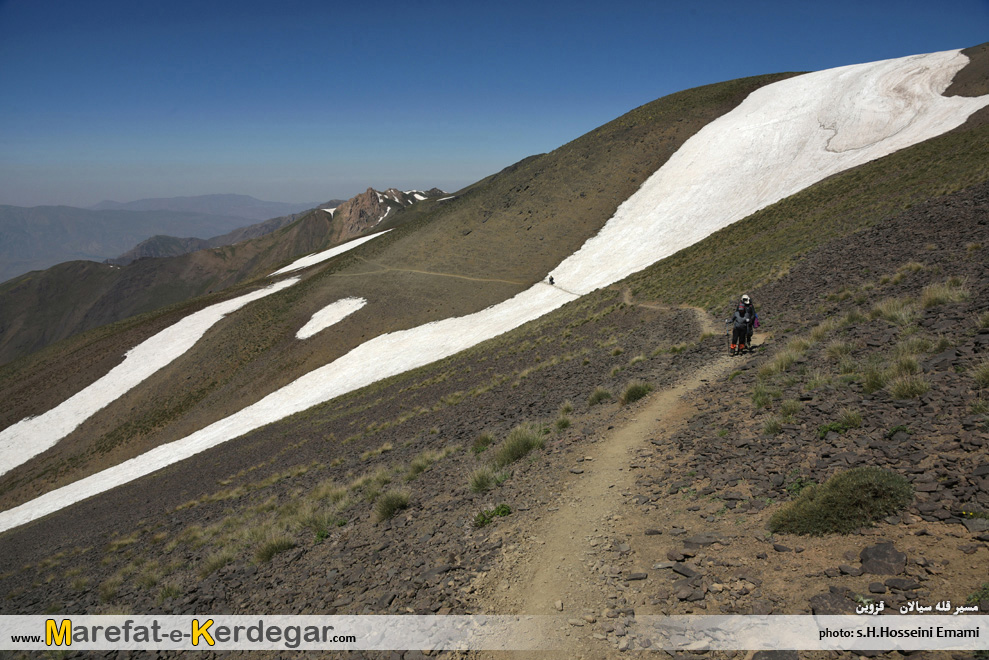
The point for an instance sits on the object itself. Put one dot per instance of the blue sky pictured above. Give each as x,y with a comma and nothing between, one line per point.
308,101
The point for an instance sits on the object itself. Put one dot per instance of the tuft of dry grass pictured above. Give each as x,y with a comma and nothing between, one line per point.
951,291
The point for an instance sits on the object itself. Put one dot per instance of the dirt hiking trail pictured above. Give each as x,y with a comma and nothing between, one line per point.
549,571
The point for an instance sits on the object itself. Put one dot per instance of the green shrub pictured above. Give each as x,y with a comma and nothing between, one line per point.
824,429
562,423
983,320
634,391
486,517
390,503
520,441
798,485
598,395
896,429
844,503
566,407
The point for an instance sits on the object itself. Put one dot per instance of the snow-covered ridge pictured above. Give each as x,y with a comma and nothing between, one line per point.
330,315
781,139
33,435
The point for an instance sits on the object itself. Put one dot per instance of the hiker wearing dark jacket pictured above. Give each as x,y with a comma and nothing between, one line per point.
740,329
753,318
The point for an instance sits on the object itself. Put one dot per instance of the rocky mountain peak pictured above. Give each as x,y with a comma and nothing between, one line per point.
361,213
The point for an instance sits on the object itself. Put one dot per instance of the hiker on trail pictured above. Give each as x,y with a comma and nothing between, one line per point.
754,319
551,280
740,328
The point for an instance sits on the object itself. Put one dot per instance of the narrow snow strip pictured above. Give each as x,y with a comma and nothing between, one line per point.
387,211
446,198
33,435
330,211
419,197
784,137
320,257
383,356
329,315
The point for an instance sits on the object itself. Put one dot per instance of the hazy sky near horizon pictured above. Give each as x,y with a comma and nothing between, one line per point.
305,101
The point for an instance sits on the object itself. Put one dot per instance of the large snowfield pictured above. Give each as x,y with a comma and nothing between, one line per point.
781,139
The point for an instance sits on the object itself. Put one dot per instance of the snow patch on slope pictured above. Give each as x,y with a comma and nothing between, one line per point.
320,257
783,138
330,315
33,435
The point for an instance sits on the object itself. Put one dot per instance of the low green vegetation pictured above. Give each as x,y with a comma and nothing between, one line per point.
951,291
390,503
482,442
482,479
981,373
598,395
773,426
486,517
634,391
908,387
845,502
849,419
520,441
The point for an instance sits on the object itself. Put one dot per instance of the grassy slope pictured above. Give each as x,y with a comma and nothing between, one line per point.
254,351
739,256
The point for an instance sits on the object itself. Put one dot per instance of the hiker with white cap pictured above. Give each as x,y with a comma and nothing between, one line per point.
741,324
753,315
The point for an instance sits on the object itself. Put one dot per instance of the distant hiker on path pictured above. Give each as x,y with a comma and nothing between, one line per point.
741,322
551,280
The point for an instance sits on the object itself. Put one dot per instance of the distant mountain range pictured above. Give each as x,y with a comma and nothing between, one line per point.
240,206
38,308
35,238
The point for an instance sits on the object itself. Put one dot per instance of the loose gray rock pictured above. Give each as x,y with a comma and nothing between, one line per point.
882,559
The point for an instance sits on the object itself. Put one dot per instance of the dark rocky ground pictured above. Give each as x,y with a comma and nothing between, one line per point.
708,488
694,537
